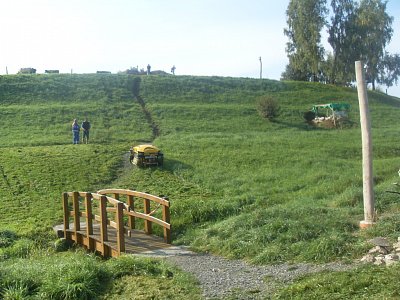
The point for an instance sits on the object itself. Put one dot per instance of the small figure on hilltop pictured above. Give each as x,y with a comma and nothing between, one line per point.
173,70
148,69
85,127
75,132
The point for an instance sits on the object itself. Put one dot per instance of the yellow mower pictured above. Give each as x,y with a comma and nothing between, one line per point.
146,155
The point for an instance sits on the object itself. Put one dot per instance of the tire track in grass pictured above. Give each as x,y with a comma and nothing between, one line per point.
149,118
134,88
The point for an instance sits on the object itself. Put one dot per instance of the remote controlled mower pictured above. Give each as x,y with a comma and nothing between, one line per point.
146,155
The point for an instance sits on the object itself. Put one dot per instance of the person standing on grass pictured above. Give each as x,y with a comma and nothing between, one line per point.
85,127
75,132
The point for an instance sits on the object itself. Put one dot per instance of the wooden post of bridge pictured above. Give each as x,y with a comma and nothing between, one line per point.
103,226
77,221
66,215
368,190
119,217
116,197
89,222
131,205
166,218
147,224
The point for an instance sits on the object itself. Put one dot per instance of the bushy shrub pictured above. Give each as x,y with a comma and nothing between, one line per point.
268,107
7,238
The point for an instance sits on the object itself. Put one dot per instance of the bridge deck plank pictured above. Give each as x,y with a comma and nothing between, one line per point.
137,242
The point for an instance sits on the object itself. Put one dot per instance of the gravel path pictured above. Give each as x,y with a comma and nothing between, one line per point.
220,277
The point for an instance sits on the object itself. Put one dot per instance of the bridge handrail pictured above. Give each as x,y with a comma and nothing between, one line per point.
120,209
159,200
130,194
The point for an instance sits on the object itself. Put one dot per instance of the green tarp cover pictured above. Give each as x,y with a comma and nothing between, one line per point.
333,106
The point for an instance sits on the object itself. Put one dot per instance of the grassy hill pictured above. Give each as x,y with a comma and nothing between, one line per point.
240,186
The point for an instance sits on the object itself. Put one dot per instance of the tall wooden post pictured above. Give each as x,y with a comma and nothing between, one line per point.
66,215
260,67
120,228
77,222
103,226
368,190
147,224
89,222
166,218
131,205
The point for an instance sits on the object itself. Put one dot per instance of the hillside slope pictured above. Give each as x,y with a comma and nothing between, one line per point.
240,186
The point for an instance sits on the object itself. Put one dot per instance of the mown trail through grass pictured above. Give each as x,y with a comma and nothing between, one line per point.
134,88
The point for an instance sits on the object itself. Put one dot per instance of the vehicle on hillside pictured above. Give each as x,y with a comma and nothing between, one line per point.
146,155
330,115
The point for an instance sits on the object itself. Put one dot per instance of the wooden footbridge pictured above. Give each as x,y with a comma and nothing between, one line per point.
108,225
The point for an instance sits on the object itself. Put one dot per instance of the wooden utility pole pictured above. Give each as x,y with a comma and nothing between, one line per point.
368,189
260,67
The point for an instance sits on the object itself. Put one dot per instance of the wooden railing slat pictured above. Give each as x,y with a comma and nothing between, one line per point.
148,218
157,199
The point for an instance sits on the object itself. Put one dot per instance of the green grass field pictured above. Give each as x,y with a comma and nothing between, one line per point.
240,186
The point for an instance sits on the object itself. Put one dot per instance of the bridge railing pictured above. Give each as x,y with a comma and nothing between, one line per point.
105,211
131,205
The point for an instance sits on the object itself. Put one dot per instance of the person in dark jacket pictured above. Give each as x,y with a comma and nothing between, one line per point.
85,127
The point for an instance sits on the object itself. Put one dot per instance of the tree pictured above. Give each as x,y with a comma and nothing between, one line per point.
340,39
389,70
305,20
292,73
374,33
359,32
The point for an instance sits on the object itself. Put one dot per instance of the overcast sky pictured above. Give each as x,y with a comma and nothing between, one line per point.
199,37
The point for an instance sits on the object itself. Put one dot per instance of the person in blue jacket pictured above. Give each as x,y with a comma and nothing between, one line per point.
75,132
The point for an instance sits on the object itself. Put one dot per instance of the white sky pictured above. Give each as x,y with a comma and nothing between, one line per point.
199,37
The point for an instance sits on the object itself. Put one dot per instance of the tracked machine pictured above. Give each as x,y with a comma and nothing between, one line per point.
146,155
